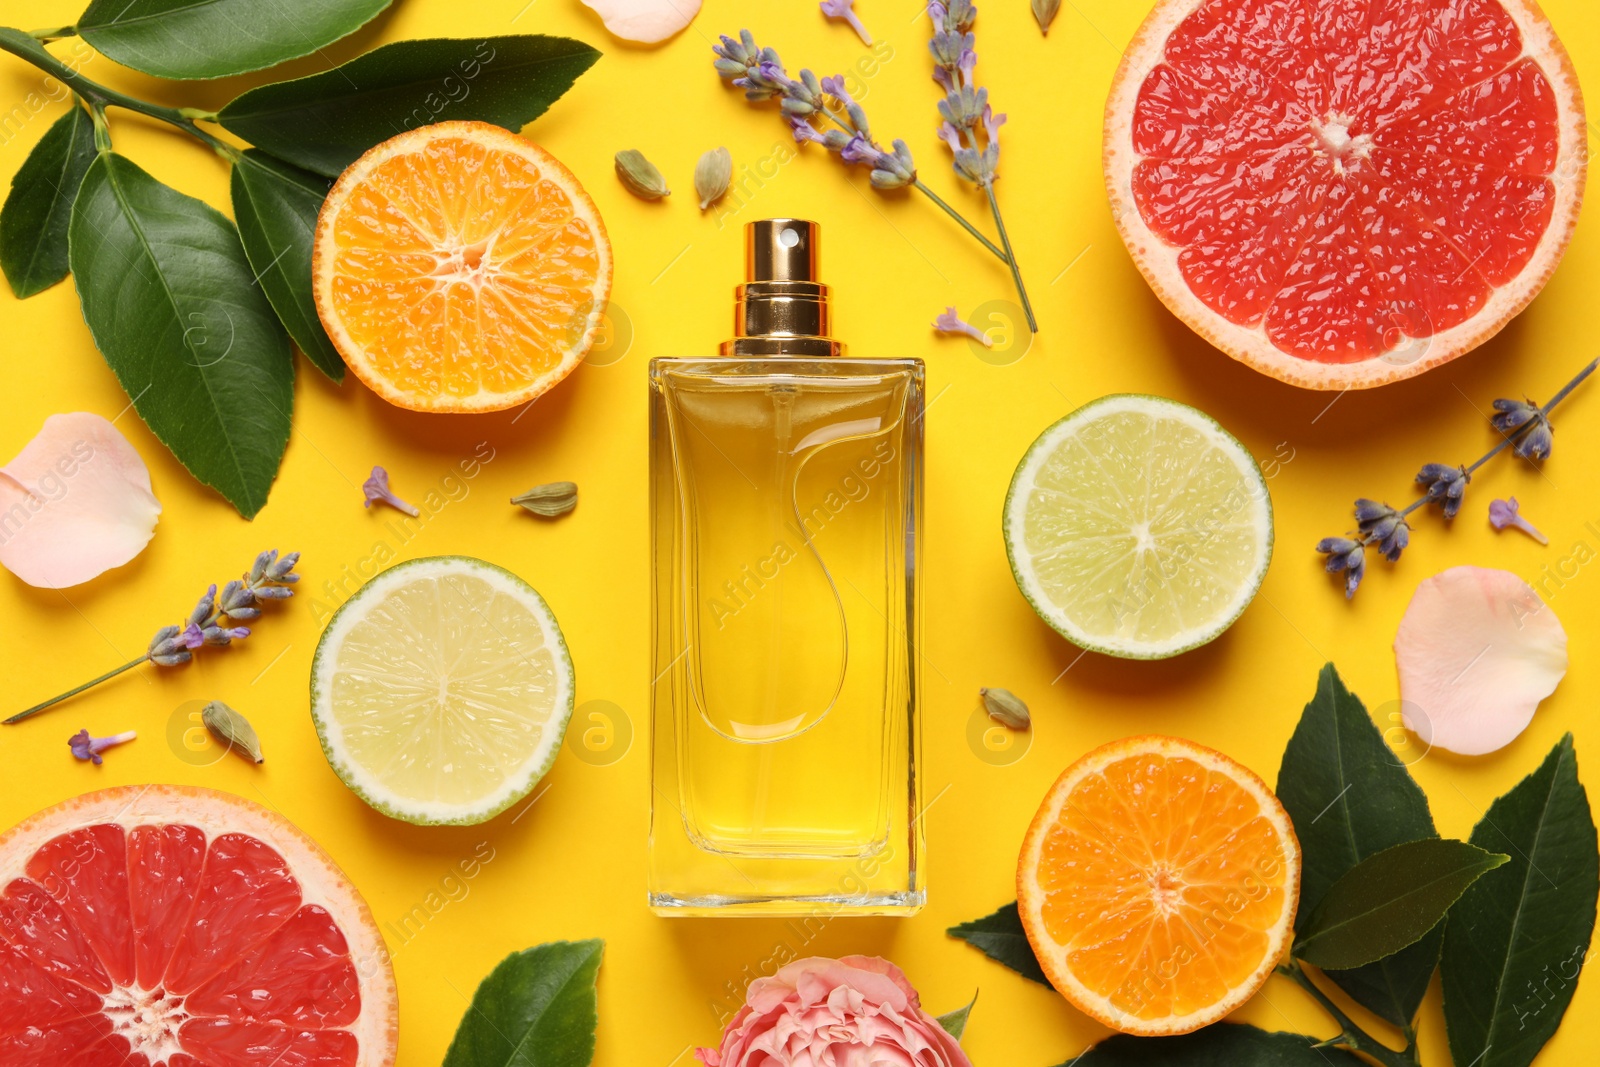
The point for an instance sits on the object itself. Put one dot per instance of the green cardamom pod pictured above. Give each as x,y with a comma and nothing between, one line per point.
712,176
640,175
549,500
1004,707
233,728
1046,11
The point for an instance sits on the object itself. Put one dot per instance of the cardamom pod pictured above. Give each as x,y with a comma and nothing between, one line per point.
233,728
550,500
712,176
1004,707
640,175
1046,11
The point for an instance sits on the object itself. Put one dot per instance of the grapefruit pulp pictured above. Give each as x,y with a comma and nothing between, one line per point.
1344,193
145,926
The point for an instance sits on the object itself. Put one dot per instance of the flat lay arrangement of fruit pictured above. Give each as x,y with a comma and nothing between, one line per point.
1107,590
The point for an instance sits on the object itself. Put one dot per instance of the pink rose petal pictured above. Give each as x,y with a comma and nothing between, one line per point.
74,503
1477,651
644,21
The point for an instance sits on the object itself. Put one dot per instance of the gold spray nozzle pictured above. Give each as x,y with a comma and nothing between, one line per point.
781,309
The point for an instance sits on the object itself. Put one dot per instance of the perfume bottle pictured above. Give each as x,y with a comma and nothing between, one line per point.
786,514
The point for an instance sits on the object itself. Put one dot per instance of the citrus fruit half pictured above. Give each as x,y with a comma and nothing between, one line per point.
460,267
168,925
1346,194
1158,884
442,690
1138,527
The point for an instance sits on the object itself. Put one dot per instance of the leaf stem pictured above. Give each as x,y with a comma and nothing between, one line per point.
27,47
1011,257
54,35
19,716
1357,1039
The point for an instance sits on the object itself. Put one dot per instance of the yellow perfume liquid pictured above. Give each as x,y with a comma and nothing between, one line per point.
786,511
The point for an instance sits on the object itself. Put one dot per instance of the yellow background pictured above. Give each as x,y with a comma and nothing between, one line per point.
573,865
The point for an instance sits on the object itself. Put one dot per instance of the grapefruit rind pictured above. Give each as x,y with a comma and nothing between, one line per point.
1158,261
1031,897
361,780
499,139
321,881
1022,482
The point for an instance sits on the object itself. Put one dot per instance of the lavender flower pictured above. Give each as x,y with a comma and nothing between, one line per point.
1383,526
1524,420
89,748
1503,513
843,9
1345,556
267,579
952,323
1446,485
377,488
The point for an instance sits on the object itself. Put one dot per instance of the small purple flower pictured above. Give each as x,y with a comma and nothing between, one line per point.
1503,513
842,9
1383,526
951,323
167,647
1446,485
192,636
1346,556
89,748
377,488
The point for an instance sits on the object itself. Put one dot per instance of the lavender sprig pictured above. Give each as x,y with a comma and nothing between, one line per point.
268,578
1523,425
808,101
970,126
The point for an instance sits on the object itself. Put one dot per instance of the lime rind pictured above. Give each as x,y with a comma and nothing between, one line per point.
1024,481
359,779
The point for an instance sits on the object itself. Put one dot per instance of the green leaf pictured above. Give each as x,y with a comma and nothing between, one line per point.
1515,942
276,208
215,38
1349,797
170,299
1389,900
1221,1045
536,1009
1000,937
326,121
33,223
955,1022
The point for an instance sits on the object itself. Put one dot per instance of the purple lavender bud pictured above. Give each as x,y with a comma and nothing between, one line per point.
1503,513
1345,556
1525,417
222,635
258,570
89,748
804,132
834,87
964,108
1384,526
894,170
793,108
860,150
273,592
280,571
947,49
192,636
376,488
1445,486
167,649
203,609
836,140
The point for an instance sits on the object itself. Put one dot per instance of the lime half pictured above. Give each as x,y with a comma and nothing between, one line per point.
1138,527
441,690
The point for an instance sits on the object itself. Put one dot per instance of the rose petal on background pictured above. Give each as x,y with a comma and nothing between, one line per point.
644,21
74,503
1477,651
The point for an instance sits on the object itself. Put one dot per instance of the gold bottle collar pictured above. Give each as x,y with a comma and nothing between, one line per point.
781,309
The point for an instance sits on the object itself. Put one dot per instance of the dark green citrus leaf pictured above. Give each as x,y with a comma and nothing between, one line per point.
276,208
1001,938
536,1009
1516,941
170,299
33,223
955,1022
326,121
215,38
1349,796
1389,900
1222,1045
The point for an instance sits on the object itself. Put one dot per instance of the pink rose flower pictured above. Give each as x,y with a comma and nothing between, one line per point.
823,1013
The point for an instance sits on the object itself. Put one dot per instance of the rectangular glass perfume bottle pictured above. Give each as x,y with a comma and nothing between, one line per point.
786,514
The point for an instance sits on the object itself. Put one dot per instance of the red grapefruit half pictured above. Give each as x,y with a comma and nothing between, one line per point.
1345,193
158,925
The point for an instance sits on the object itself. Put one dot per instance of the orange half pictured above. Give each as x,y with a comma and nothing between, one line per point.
460,267
1158,885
